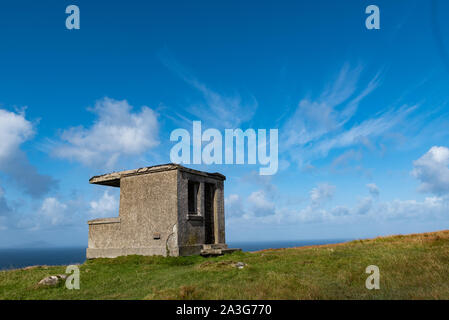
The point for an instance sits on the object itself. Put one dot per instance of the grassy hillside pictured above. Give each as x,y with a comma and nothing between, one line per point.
411,267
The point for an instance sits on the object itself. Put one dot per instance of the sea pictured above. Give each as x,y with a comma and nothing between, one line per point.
24,257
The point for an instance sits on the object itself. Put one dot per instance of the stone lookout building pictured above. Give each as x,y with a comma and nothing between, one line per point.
167,210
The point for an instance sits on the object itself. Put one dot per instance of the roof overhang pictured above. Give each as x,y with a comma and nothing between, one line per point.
113,179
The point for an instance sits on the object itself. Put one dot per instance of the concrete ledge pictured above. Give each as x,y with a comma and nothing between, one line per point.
104,220
92,253
194,217
218,252
190,250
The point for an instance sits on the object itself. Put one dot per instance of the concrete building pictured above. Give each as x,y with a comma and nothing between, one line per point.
167,210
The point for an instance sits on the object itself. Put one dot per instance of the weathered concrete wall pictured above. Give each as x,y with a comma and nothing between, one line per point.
148,206
191,231
104,233
148,209
192,228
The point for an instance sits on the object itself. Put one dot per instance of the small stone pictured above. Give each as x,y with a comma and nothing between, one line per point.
62,276
240,265
52,280
49,281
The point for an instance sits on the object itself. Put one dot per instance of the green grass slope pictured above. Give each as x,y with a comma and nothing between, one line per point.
411,267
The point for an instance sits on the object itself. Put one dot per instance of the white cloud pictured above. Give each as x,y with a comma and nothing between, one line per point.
265,182
5,210
430,207
52,212
261,206
106,206
435,208
257,204
14,130
3,223
432,169
117,132
363,206
57,212
321,194
373,189
390,210
234,206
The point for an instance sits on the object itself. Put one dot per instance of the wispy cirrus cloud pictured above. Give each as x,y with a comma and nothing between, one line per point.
363,132
338,103
346,158
216,110
329,122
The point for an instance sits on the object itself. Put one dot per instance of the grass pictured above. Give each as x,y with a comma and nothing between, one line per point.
411,267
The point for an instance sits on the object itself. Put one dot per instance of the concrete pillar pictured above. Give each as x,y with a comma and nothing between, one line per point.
200,200
219,217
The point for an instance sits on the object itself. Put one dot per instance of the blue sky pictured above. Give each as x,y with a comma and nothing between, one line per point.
362,114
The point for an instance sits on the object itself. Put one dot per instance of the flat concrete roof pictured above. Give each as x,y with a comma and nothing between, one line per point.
113,179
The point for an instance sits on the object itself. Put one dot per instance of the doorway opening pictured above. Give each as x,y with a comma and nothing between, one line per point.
209,225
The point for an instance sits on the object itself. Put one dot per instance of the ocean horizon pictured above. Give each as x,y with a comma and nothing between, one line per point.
15,258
